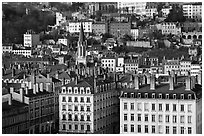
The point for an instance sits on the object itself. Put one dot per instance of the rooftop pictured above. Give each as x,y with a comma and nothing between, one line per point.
15,105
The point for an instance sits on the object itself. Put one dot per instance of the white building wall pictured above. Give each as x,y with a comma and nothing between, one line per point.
74,27
109,63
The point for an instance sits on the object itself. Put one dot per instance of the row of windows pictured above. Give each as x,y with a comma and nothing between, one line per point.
76,117
88,100
160,118
76,108
138,95
160,107
76,127
77,90
153,129
107,60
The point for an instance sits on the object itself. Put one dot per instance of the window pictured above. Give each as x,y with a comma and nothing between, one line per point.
88,127
63,99
139,117
182,119
182,96
146,128
167,96
160,118
174,118
132,128
70,117
82,108
174,107
88,108
146,117
189,96
69,107
69,99
82,127
189,119
88,100
76,118
88,118
182,130
125,127
125,117
64,107
139,106
139,128
160,96
64,127
75,99
153,95
132,106
167,129
153,129
146,95
189,130
139,95
125,106
75,108
76,127
63,117
153,107
174,96
189,108
167,118
82,99
167,107
146,106
160,107
132,117
174,130
153,118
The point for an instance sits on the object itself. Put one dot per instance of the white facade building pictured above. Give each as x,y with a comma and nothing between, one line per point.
132,7
166,11
172,65
193,11
74,27
185,67
62,41
120,64
7,48
195,69
59,18
109,62
150,12
134,33
31,39
160,111
24,52
172,28
131,65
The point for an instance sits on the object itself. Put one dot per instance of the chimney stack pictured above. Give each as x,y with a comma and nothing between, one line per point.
11,90
34,91
76,80
41,87
188,83
22,95
57,75
10,99
199,78
193,82
136,82
37,86
171,83
152,82
26,90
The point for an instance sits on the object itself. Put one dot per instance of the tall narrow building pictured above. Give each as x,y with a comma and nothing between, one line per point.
81,48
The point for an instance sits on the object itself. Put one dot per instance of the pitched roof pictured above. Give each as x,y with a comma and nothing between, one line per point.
81,34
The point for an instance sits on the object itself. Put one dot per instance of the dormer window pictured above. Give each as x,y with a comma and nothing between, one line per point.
146,95
167,96
75,90
189,96
153,95
70,90
125,94
139,95
160,96
182,96
87,90
174,96
132,95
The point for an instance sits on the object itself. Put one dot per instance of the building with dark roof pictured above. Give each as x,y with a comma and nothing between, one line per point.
172,107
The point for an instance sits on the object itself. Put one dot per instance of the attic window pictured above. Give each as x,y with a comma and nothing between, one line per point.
167,96
70,90
160,96
182,96
189,96
146,95
139,95
153,95
174,96
125,94
132,95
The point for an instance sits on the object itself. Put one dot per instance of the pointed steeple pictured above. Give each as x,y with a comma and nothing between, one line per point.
81,34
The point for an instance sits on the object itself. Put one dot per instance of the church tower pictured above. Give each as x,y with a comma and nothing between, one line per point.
81,48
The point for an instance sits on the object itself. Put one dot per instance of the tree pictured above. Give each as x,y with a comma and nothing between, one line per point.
175,15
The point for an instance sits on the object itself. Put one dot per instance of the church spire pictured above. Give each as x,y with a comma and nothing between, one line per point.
81,34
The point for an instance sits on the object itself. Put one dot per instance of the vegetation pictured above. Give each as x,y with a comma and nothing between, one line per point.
175,15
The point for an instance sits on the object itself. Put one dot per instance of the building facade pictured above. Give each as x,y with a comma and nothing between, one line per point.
193,11
109,62
74,27
31,39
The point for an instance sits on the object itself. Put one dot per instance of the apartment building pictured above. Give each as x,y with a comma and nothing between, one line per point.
27,52
185,67
131,65
31,39
193,11
7,48
170,108
109,62
99,28
74,26
119,29
172,65
151,12
132,7
89,105
195,69
170,28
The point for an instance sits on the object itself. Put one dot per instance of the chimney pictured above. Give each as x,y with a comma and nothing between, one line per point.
26,90
188,83
37,87
136,82
34,91
193,82
11,90
104,76
99,71
47,87
63,81
148,79
10,99
199,78
152,82
76,80
57,75
48,76
22,95
41,87
171,83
